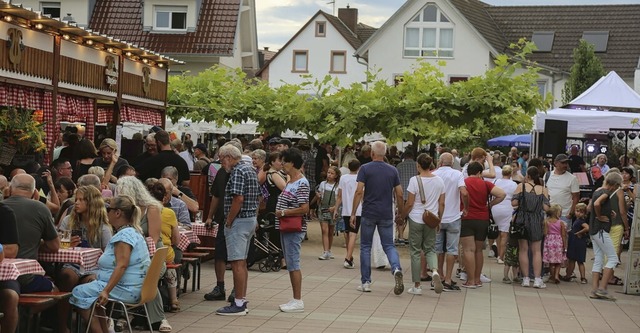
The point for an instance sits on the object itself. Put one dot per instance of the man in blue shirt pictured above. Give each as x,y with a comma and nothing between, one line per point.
524,157
378,183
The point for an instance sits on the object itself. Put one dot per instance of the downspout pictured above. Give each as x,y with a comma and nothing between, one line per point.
358,59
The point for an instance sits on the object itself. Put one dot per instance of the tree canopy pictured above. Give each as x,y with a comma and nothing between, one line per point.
585,71
421,108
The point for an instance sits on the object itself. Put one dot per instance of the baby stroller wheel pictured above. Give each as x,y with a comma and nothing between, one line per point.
275,263
263,266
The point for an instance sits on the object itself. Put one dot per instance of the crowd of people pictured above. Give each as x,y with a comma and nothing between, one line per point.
106,202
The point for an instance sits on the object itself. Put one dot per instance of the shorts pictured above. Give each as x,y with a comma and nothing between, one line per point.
475,228
221,245
291,244
448,238
616,233
11,285
511,256
238,237
38,283
347,224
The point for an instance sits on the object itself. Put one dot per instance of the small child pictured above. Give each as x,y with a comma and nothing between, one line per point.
555,242
577,249
327,194
511,261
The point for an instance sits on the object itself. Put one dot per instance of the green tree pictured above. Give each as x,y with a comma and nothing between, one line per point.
585,71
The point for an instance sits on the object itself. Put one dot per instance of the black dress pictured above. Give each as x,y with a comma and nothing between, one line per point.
577,249
531,213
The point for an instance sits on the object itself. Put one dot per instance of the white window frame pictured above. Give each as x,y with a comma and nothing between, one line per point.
51,4
294,68
542,84
332,66
171,10
429,52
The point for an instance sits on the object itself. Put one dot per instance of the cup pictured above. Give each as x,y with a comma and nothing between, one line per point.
198,216
65,241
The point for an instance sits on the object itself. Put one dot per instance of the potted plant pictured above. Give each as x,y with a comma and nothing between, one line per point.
20,133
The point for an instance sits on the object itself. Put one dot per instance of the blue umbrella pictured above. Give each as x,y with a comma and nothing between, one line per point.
514,140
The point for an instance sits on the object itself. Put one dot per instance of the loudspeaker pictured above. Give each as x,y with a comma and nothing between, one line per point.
555,137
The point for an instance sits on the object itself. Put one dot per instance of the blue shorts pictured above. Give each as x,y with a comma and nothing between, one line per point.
451,233
37,283
238,237
291,244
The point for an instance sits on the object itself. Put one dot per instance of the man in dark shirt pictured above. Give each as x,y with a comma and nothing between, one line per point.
576,163
152,167
9,290
151,150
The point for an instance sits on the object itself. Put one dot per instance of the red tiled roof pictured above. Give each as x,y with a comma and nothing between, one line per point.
215,33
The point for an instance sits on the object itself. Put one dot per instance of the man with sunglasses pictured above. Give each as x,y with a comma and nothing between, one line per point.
563,187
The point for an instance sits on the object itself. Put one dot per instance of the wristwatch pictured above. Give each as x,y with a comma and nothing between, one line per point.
180,195
282,213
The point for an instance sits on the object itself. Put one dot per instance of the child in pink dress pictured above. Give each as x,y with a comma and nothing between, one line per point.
555,242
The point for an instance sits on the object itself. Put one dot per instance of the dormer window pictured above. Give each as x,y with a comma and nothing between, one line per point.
172,18
321,29
599,39
50,8
429,34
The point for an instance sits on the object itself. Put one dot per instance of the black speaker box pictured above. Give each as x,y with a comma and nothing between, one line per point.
555,137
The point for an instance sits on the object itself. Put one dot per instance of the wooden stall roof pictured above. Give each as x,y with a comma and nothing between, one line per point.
35,20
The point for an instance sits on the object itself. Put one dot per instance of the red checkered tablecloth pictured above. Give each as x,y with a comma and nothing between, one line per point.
87,258
10,269
199,229
187,237
151,245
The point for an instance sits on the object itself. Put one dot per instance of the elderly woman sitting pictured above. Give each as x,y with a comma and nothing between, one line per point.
121,268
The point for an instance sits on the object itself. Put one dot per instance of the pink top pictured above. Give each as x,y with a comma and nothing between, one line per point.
554,228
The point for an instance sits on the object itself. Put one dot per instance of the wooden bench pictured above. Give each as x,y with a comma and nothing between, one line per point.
32,307
194,259
178,268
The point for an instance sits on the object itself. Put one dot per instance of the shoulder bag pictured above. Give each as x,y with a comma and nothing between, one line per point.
289,224
516,229
430,219
492,229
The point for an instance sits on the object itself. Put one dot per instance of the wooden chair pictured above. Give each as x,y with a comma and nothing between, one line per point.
33,306
147,293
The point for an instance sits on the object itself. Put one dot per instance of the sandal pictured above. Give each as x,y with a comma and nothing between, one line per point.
616,281
583,281
175,307
565,278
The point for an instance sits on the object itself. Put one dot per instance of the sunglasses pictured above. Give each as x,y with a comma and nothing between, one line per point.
111,208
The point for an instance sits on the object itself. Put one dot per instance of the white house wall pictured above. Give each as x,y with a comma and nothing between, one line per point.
79,9
319,61
471,56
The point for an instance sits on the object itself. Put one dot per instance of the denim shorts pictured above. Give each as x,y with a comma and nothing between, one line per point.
238,237
291,244
451,233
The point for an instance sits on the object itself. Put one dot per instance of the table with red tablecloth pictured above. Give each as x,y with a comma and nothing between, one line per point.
87,258
10,269
187,237
151,245
200,229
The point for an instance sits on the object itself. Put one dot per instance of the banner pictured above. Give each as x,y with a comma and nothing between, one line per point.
632,276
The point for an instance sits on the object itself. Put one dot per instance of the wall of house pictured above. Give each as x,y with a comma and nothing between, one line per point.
79,9
471,55
319,57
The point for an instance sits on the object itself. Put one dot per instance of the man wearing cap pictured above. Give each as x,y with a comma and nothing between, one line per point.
563,187
576,162
200,152
274,144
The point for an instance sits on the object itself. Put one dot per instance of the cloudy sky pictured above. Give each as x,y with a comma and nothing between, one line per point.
279,20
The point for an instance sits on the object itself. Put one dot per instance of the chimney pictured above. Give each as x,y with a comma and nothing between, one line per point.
349,16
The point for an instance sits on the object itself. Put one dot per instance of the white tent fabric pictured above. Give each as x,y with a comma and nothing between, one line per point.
586,121
185,125
608,93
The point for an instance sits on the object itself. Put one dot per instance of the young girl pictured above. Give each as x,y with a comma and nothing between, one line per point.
327,192
511,261
577,249
555,241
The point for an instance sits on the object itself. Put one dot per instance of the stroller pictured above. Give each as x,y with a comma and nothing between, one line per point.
262,250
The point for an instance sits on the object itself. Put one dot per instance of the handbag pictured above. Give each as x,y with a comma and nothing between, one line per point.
290,224
492,230
516,229
430,219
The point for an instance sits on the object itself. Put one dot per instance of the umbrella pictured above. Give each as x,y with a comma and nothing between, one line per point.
514,140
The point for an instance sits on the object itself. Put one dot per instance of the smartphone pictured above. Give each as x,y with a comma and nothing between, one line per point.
76,232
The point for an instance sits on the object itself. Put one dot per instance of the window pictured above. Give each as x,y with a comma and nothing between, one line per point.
599,39
454,79
542,88
429,34
338,62
170,18
50,8
321,29
300,61
543,40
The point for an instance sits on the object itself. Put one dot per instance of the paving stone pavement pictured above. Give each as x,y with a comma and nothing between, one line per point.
332,303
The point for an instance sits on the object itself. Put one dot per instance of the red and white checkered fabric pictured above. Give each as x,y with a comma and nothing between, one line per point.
141,115
187,237
151,245
200,229
87,258
10,269
77,109
105,115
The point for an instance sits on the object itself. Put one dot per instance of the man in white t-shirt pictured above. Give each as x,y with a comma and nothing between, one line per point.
455,190
563,187
346,190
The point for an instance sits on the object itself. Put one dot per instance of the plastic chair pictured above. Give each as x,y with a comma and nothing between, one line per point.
147,293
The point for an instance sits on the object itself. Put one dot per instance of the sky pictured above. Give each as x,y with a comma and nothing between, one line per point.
279,20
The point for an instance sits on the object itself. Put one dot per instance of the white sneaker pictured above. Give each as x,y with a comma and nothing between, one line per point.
484,279
331,255
324,256
500,261
526,282
415,291
294,305
348,264
463,276
164,326
365,287
537,283
437,282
